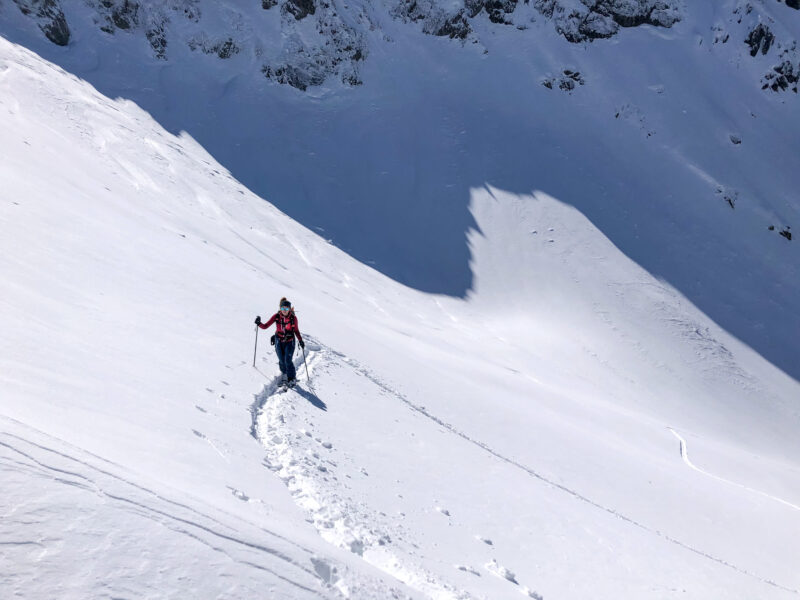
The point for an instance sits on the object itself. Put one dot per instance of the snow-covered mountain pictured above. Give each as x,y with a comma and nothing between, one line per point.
671,125
601,415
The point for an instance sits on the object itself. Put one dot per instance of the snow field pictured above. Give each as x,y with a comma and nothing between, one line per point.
534,414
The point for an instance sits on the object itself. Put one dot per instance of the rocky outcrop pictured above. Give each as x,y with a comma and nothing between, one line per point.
336,49
496,10
321,41
786,232
222,48
566,82
782,77
49,17
598,19
299,9
760,39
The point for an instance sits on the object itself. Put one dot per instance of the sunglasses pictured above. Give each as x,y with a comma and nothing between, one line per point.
285,308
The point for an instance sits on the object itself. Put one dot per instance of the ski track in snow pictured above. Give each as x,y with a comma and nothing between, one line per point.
279,445
127,495
685,456
302,462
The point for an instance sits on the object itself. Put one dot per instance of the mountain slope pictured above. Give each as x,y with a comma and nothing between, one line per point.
537,437
369,124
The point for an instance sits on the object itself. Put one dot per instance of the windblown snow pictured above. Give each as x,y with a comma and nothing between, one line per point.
531,439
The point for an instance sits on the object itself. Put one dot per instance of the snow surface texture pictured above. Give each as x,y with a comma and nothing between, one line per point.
530,440
370,122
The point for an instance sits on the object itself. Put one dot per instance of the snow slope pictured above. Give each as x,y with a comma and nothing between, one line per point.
582,431
667,142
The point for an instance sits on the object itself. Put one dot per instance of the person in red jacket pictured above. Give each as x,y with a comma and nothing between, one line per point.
286,330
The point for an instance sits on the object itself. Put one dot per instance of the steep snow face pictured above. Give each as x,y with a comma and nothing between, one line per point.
676,137
580,431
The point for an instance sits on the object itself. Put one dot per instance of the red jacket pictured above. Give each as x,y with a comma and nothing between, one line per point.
286,328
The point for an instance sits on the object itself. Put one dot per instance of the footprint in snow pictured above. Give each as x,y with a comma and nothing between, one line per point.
501,571
200,408
486,541
239,494
444,511
468,570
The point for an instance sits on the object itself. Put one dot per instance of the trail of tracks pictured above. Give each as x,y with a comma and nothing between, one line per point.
539,476
685,456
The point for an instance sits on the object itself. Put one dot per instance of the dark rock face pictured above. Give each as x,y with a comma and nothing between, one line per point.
338,45
456,27
633,14
158,40
300,76
795,4
498,9
223,49
300,9
226,49
782,77
599,19
49,17
760,39
566,82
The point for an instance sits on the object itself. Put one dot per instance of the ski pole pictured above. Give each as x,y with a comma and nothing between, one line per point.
306,365
256,347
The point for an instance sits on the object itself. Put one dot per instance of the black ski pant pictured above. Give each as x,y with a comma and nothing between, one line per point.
285,350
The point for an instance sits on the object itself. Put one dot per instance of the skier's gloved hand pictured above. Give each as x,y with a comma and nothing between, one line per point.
272,340
302,344
258,320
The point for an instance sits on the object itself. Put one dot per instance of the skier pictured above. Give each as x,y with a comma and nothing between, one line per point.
286,330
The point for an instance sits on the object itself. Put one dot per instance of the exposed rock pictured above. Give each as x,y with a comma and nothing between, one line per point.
124,15
785,232
782,77
760,39
224,49
300,9
158,40
498,9
331,43
300,76
730,196
456,27
566,82
795,4
49,17
306,60
597,19
720,35
736,139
